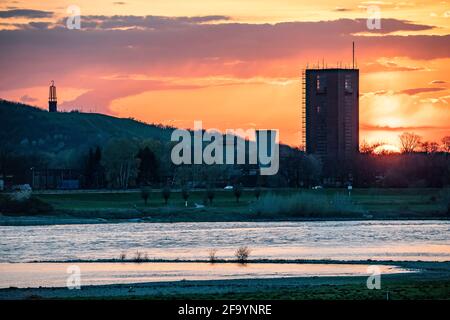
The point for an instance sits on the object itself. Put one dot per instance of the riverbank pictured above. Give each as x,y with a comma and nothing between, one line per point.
326,204
432,282
69,219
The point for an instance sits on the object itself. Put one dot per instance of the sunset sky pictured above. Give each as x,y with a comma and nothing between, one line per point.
230,63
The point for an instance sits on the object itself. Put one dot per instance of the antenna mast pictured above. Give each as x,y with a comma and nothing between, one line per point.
353,54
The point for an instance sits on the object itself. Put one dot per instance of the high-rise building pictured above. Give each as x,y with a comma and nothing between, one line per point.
52,103
331,118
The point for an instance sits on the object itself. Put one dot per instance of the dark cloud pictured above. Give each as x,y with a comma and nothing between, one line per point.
25,13
371,127
35,25
101,95
437,82
415,91
119,3
388,67
144,22
411,92
340,9
192,47
27,99
169,43
159,23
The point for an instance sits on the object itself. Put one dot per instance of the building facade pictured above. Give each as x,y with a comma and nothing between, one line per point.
331,119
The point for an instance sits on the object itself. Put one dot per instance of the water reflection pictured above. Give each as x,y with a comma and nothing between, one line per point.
344,240
55,274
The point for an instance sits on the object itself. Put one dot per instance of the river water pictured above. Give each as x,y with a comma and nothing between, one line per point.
343,240
349,240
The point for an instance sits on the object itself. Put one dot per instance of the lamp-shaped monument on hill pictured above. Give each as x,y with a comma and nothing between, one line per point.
52,103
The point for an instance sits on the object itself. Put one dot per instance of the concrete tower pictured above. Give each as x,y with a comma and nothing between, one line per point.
332,118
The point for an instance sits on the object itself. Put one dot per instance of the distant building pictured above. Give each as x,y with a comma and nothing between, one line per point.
331,119
56,179
52,103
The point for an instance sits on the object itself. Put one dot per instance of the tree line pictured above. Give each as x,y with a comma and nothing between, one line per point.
130,163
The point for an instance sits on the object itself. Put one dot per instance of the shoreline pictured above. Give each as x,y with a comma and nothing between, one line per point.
432,281
42,220
413,264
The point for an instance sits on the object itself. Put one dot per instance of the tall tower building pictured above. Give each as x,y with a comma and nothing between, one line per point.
52,103
331,118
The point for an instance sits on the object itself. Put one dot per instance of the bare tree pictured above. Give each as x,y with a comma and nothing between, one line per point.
409,141
369,148
446,144
145,194
242,254
119,159
430,147
212,255
166,194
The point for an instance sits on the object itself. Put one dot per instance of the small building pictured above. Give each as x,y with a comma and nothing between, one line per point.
66,179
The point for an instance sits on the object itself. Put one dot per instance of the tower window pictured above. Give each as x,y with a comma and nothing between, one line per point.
321,83
348,84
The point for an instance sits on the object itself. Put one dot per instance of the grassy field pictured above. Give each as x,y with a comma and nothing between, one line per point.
392,290
372,203
421,286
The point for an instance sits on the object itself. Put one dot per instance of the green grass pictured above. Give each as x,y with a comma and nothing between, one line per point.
398,290
307,204
131,199
390,289
38,131
378,203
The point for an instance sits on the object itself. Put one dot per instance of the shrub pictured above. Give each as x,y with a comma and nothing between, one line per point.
242,254
445,199
237,189
212,255
24,206
145,194
307,205
210,195
21,195
140,257
166,194
257,193
185,195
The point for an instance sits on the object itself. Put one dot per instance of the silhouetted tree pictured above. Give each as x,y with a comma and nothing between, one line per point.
409,141
166,194
145,194
237,190
257,192
368,148
210,195
446,144
120,162
148,166
429,147
185,194
93,170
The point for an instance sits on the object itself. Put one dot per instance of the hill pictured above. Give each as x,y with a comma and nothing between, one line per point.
28,129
